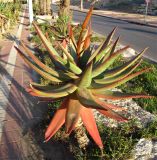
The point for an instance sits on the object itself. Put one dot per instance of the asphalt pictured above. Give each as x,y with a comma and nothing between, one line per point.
135,35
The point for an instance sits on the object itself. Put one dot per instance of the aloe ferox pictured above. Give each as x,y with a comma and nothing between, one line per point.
82,79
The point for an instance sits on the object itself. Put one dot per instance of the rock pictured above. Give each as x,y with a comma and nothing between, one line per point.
145,149
43,18
133,111
129,53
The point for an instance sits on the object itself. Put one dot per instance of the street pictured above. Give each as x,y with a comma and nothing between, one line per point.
137,36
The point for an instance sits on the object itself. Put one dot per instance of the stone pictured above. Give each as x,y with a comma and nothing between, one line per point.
133,111
130,52
145,149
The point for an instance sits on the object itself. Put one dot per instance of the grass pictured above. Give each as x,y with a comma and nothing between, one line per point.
145,83
10,10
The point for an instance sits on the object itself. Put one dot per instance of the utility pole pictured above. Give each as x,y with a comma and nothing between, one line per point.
30,7
146,12
81,5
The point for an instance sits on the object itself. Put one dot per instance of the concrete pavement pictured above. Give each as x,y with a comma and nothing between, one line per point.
18,111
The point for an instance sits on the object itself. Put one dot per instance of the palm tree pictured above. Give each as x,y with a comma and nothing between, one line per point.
64,7
45,6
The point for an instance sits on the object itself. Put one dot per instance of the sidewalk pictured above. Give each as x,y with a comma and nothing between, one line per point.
132,18
18,110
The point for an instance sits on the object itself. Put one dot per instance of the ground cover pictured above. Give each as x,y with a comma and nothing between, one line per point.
9,14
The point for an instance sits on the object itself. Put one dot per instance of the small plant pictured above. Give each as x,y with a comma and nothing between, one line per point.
9,13
80,76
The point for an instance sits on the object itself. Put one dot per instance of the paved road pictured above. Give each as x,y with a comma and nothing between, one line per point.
137,36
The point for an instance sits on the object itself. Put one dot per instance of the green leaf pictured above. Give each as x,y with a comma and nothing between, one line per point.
70,58
103,54
120,82
118,70
71,67
86,78
94,54
43,87
114,46
103,48
58,92
102,67
53,79
83,59
108,40
46,43
86,98
55,55
117,77
59,74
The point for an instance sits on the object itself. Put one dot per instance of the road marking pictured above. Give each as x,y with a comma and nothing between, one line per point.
5,83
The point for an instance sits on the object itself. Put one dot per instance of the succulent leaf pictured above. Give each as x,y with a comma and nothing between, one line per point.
57,121
42,73
46,43
104,54
93,55
59,92
59,74
102,67
86,78
87,19
119,95
117,77
108,40
90,124
113,116
84,25
67,53
118,70
86,98
65,63
72,114
117,83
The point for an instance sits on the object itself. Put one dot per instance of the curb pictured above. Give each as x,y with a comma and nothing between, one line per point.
129,21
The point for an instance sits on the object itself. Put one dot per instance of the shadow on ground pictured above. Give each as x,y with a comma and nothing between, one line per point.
28,115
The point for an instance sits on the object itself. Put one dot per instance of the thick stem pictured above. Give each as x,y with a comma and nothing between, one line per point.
80,135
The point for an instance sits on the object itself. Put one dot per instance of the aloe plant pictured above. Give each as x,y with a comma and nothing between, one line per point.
82,78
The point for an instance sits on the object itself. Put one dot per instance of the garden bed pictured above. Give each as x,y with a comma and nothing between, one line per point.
119,140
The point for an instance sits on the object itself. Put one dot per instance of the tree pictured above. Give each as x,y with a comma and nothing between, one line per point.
64,8
45,6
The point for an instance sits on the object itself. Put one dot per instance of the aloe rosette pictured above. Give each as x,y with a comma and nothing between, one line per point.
82,79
